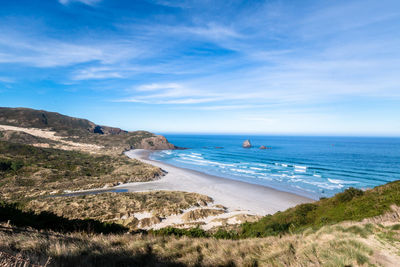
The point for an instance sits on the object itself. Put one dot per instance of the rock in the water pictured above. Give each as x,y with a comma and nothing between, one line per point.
246,144
263,147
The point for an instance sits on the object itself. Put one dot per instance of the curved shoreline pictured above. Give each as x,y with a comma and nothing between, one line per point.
233,194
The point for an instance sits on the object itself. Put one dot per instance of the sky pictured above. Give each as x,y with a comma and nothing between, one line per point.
262,67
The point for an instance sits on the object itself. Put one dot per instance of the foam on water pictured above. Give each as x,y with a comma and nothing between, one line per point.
305,165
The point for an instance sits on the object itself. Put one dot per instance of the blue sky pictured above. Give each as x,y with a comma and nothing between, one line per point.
273,67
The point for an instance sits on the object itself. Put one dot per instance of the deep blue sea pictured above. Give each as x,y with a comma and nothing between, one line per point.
310,166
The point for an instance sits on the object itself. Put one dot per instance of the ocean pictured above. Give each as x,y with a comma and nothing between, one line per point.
314,167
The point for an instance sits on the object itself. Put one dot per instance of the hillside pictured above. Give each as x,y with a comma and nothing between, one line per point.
58,244
29,126
27,172
350,205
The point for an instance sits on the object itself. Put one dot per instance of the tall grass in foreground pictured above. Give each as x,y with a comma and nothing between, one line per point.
348,244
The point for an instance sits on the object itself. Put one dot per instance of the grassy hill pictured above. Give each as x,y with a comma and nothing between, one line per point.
27,172
65,125
350,205
74,130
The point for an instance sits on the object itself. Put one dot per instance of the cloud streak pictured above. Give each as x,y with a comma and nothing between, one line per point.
86,2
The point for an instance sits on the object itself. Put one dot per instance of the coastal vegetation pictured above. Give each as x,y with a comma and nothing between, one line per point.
133,210
13,214
373,241
351,244
350,205
28,172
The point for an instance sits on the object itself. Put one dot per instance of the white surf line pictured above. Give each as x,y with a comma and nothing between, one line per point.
235,195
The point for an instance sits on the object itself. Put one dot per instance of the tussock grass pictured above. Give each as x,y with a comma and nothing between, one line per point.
28,172
121,207
11,213
329,246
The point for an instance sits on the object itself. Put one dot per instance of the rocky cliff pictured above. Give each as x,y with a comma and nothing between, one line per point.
157,142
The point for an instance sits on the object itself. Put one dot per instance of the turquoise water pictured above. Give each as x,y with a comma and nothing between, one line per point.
310,166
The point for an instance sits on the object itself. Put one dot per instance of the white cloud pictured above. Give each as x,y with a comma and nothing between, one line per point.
230,107
210,31
86,2
157,86
6,80
169,93
46,52
97,73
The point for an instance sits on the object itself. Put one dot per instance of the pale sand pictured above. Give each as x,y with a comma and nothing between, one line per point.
51,135
235,195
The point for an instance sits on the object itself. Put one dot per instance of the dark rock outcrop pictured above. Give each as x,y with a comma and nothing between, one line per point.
98,130
107,130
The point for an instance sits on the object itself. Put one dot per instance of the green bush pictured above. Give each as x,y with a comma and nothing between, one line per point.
349,194
223,234
16,165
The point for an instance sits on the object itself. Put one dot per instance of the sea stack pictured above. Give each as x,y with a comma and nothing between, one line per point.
246,144
263,147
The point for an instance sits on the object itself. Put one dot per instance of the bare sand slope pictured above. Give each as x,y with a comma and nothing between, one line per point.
51,135
235,195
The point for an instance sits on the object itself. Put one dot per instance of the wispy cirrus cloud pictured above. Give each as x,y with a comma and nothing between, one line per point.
49,53
86,2
7,80
169,93
96,73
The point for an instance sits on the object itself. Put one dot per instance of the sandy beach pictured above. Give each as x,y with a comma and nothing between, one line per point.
235,195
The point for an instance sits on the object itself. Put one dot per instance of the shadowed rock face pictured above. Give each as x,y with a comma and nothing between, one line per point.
246,144
108,130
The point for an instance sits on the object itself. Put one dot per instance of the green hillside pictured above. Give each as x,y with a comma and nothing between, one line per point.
351,205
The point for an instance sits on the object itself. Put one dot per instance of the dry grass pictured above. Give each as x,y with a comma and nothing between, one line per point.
194,215
43,171
121,207
340,245
7,259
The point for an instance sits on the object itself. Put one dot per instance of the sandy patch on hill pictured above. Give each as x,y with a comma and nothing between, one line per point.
51,135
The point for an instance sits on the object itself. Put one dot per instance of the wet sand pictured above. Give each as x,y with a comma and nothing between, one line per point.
235,195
